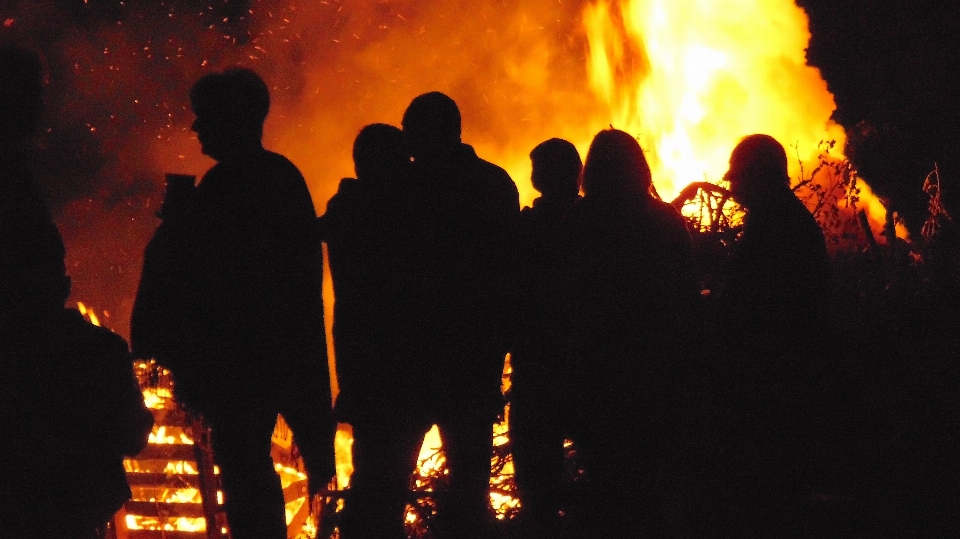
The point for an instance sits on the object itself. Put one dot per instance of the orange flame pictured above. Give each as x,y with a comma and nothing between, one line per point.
691,78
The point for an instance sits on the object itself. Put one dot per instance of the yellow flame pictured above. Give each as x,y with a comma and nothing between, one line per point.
180,524
431,459
288,475
181,467
691,78
184,495
343,453
159,436
502,503
292,508
157,398
88,313
166,494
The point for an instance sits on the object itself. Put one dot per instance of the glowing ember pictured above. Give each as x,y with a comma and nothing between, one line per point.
502,484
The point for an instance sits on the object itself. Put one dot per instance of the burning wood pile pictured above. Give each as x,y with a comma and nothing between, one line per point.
176,486
175,483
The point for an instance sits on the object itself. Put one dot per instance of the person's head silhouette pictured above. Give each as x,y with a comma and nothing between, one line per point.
21,90
758,171
379,152
431,125
230,108
615,166
556,168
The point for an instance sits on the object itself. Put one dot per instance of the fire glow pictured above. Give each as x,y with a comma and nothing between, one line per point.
164,478
689,78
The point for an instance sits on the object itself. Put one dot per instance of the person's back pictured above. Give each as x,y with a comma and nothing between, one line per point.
32,272
75,410
365,226
471,211
631,254
378,315
87,416
257,274
774,365
468,211
556,175
539,343
629,287
779,275
632,268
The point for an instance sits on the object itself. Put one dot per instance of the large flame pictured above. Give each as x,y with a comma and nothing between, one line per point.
691,78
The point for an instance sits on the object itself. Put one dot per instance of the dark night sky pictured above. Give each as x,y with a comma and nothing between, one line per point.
892,66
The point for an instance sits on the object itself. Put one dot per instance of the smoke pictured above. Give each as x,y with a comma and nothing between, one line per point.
117,115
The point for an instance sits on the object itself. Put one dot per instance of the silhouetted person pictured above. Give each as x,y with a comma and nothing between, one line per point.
467,234
33,281
367,228
630,292
70,409
773,304
75,412
779,277
363,231
240,325
32,272
536,428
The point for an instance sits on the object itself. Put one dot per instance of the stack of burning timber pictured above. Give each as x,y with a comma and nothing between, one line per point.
175,483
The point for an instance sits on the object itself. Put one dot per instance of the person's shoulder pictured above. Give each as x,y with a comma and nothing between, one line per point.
276,158
347,194
282,165
349,187
668,213
801,221
579,211
486,168
76,327
497,173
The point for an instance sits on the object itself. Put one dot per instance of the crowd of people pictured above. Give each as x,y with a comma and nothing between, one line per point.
437,275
